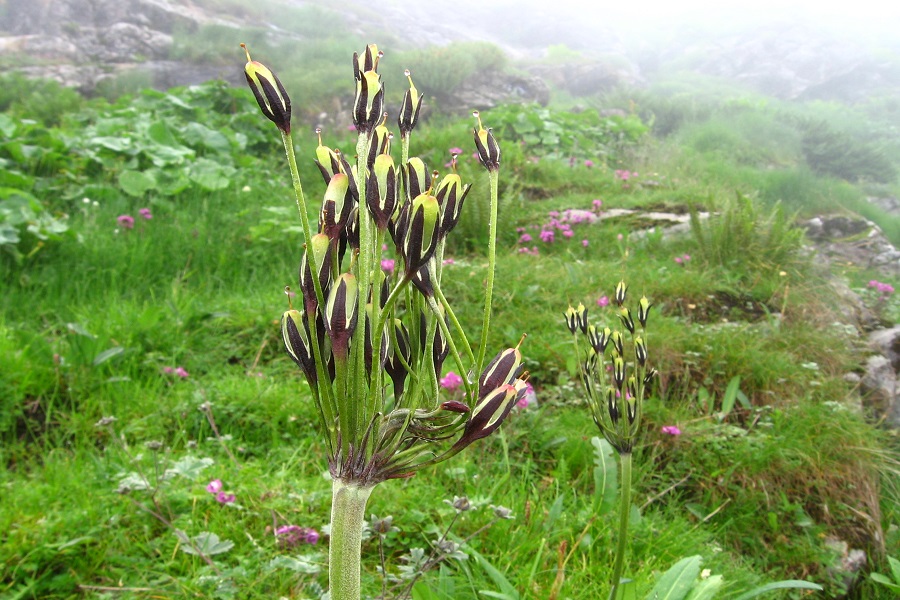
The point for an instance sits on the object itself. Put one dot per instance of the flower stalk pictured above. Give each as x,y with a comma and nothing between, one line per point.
615,373
372,342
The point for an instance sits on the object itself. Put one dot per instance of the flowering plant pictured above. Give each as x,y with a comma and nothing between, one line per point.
371,336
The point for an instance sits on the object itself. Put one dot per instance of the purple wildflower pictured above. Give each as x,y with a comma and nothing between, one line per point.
387,265
671,430
125,221
602,301
451,381
145,213
214,486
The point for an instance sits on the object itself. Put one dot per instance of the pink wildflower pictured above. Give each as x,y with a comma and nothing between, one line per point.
449,261
547,236
568,233
145,213
456,151
181,372
387,265
602,301
585,243
598,204
168,370
351,127
293,535
589,163
215,486
524,238
451,381
125,221
223,498
671,430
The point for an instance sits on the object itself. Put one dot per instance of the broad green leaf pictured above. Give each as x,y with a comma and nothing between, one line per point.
605,476
136,183
108,354
297,564
895,568
678,580
706,589
879,578
204,542
189,467
210,175
779,585
7,125
200,136
730,395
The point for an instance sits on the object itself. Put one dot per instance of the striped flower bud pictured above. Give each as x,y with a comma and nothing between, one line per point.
598,338
649,375
416,178
381,190
379,141
368,106
631,406
398,357
295,334
340,314
631,386
640,350
486,144
643,311
572,319
619,372
316,262
451,195
582,317
271,96
612,405
621,290
627,319
336,206
327,160
409,108
503,369
490,411
421,233
618,342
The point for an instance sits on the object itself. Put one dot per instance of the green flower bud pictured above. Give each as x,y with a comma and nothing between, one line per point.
409,108
572,319
612,405
451,195
369,103
379,142
327,160
416,178
621,290
295,334
318,249
336,207
271,96
598,339
381,190
618,342
582,314
627,319
340,314
643,311
421,233
640,350
399,356
619,372
486,144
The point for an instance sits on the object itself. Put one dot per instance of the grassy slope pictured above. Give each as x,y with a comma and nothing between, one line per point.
200,286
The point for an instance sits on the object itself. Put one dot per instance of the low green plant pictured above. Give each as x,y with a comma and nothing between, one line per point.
740,233
891,582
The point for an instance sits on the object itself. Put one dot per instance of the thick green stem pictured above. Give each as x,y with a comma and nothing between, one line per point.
493,176
624,511
348,510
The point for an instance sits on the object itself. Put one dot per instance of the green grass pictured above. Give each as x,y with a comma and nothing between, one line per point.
88,326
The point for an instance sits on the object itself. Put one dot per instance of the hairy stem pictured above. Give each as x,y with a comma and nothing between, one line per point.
348,508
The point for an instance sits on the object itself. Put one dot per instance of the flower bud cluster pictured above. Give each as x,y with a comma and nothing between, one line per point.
371,346
614,368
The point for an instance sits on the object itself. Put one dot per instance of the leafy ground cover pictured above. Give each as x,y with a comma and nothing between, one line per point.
157,441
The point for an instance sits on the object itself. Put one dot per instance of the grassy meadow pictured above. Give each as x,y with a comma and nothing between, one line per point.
145,244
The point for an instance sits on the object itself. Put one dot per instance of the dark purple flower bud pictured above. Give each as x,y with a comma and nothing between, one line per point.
598,338
340,314
503,369
336,207
643,311
399,357
451,195
381,191
295,334
621,290
486,144
627,319
420,237
271,96
416,178
316,262
409,108
619,372
640,350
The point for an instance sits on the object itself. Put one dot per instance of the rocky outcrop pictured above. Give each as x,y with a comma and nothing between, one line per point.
82,42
